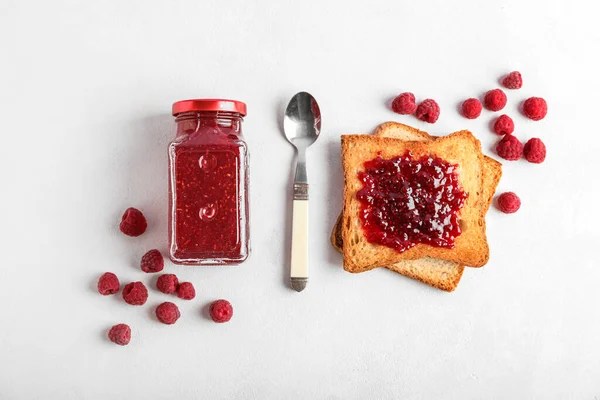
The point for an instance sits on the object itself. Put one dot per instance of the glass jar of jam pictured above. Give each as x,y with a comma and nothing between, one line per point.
208,184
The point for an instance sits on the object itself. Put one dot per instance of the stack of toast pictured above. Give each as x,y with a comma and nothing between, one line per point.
439,267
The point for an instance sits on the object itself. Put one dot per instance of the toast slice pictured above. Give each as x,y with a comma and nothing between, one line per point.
441,274
460,148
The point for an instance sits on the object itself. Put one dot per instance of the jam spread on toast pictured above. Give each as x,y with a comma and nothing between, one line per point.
406,201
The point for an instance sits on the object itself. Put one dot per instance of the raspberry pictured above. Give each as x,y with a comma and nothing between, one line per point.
509,148
404,103
535,108
135,293
428,111
221,311
471,108
120,334
504,125
167,313
509,202
152,261
167,283
535,151
513,80
186,291
108,284
495,100
133,222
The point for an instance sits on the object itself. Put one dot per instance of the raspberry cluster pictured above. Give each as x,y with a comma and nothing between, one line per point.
428,110
133,223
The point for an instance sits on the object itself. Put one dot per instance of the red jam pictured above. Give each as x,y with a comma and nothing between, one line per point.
406,201
208,189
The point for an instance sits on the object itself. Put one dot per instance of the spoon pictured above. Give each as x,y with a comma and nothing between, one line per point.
302,125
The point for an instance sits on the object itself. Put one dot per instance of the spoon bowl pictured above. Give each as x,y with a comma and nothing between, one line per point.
302,121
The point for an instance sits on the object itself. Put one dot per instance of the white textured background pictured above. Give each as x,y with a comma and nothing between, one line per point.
85,95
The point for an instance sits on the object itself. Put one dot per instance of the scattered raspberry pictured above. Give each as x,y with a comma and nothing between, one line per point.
120,334
167,313
535,151
135,293
167,283
186,291
152,261
509,148
133,222
428,111
471,108
108,284
221,311
404,103
509,202
504,125
513,80
535,108
495,100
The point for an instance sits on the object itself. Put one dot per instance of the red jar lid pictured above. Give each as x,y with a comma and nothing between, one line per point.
209,105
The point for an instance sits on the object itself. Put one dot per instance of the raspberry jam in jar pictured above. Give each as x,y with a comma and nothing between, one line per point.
208,184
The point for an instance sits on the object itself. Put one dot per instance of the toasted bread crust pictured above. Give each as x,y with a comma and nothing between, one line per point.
440,274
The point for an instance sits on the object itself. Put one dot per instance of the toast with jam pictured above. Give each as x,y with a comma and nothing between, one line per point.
385,177
441,274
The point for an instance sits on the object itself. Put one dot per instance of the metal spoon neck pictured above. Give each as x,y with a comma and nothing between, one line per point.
301,175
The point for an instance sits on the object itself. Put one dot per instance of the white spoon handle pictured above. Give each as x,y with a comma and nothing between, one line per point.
299,261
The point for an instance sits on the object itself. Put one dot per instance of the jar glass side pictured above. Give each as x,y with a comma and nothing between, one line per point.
208,191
